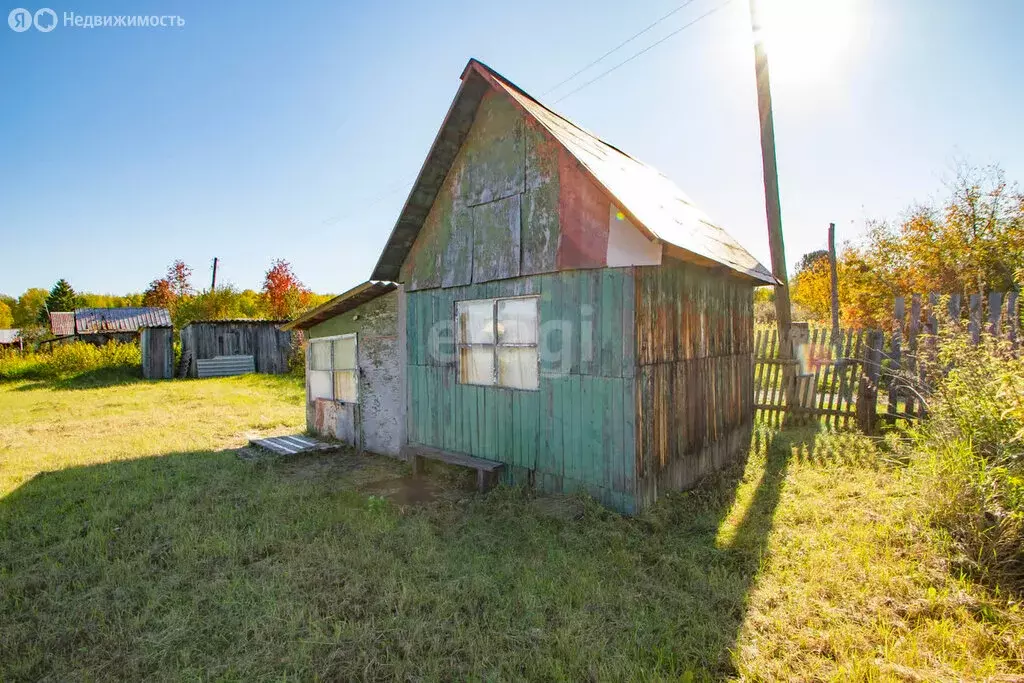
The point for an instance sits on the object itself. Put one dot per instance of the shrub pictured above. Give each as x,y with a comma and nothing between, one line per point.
69,360
969,455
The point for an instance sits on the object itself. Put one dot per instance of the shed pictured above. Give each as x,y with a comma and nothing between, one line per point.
568,311
11,339
157,345
101,325
354,368
263,340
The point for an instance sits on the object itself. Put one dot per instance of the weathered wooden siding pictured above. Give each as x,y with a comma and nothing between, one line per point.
263,340
577,431
694,336
514,203
157,344
377,421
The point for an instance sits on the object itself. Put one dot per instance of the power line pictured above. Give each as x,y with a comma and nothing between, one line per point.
649,47
627,41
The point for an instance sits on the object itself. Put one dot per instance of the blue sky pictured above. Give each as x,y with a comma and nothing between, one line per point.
268,130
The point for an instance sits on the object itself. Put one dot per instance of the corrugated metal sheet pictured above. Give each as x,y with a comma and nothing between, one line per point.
223,366
653,202
96,320
62,323
10,336
357,296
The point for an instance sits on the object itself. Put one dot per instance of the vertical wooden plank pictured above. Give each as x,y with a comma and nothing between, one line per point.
913,327
974,322
630,327
576,430
953,309
629,452
1012,319
867,392
995,309
896,357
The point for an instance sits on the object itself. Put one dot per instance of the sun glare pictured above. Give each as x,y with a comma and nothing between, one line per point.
808,40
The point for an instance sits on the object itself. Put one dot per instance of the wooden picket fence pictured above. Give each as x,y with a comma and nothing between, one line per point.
836,379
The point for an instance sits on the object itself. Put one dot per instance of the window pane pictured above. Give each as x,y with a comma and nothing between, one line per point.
517,321
345,353
345,387
319,384
517,367
319,355
475,322
476,365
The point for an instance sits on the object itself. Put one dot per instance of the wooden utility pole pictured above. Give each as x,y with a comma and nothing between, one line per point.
213,283
773,208
835,281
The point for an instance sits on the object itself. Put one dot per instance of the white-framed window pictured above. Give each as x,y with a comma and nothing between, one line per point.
497,340
333,372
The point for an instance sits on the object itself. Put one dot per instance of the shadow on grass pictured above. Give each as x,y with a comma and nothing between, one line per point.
91,379
204,565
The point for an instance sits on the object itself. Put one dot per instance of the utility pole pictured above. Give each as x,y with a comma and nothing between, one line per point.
213,284
773,208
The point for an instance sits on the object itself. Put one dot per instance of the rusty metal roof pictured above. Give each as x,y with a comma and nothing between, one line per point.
128,319
353,298
652,201
62,323
10,336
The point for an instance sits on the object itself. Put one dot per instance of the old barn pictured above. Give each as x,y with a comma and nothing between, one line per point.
569,313
354,368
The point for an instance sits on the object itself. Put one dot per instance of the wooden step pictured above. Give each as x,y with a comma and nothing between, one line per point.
486,470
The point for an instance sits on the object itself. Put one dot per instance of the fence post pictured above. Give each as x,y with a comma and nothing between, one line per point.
867,392
895,359
974,323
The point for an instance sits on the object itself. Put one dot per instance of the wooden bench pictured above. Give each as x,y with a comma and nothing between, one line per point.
486,470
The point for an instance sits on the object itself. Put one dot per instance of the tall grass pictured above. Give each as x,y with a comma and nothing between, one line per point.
69,360
969,456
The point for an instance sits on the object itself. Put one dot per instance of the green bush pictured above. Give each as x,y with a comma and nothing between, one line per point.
69,360
969,456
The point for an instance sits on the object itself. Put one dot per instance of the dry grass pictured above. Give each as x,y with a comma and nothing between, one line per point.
148,551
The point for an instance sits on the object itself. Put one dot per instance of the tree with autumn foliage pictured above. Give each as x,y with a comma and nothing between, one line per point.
971,242
284,295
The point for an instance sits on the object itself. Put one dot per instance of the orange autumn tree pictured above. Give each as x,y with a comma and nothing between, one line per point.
284,295
973,241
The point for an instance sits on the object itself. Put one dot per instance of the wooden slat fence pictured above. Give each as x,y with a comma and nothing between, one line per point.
837,378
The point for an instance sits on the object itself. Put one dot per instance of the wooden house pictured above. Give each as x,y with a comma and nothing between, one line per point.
566,310
212,348
354,368
98,326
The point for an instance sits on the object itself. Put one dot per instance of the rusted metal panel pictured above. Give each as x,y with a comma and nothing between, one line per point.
62,323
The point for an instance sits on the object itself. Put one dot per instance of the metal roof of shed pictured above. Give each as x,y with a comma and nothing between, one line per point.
343,303
62,323
127,319
10,336
653,202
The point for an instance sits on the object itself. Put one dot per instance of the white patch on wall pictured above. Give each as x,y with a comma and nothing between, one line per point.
627,246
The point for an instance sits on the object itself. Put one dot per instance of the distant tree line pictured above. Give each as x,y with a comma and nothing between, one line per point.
283,296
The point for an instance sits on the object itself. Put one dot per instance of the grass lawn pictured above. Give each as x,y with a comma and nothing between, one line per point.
134,543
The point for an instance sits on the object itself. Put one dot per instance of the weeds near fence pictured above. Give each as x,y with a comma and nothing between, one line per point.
968,453
69,360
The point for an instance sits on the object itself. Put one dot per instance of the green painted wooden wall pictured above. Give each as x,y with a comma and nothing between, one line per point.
577,432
